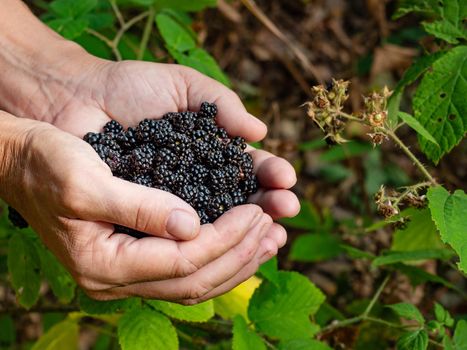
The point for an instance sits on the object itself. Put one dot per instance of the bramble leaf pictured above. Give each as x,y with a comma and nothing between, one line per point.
63,335
146,329
408,311
24,268
450,27
416,340
393,257
283,311
440,105
194,313
245,338
269,270
449,211
442,315
460,335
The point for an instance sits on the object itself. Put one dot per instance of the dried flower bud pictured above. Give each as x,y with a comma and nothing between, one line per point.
377,138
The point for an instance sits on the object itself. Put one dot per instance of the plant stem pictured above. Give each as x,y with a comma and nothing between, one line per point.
123,30
146,34
376,297
407,151
117,12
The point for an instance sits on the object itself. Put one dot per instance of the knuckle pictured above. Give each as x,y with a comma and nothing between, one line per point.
183,266
246,253
197,291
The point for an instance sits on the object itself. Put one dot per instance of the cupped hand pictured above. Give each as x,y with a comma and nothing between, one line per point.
130,91
69,196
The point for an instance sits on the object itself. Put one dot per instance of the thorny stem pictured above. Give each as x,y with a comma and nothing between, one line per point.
398,141
146,34
411,189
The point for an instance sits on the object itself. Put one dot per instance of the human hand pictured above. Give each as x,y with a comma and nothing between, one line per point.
69,196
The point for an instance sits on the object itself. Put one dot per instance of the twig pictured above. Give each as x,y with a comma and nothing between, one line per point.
259,14
146,34
117,12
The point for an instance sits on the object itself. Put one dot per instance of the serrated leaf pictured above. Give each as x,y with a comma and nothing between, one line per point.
60,281
315,247
442,315
408,311
414,124
451,27
96,307
449,211
236,301
194,313
174,34
146,329
24,269
440,105
63,335
416,340
283,311
245,338
406,6
203,62
460,335
185,5
393,257
303,344
420,232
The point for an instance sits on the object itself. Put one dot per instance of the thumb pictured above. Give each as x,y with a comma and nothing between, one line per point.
148,210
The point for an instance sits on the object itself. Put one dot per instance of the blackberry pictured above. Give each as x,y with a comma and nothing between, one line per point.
16,218
113,127
143,179
208,110
92,138
184,153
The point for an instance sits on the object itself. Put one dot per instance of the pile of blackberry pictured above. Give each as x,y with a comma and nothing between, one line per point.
184,153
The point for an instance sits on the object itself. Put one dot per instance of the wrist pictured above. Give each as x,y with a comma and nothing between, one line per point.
39,70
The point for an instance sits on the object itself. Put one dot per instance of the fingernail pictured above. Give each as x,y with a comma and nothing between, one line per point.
181,224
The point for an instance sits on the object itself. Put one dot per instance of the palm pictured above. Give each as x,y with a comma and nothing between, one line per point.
131,91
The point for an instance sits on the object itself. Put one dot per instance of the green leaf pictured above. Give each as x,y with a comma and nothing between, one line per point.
8,333
71,8
442,315
440,105
315,247
345,151
392,257
283,311
418,276
449,212
60,281
303,344
406,6
416,340
420,232
460,335
270,271
419,67
63,335
96,307
146,329
414,124
68,27
24,268
408,311
450,27
356,253
185,5
203,62
307,219
194,313
174,34
244,338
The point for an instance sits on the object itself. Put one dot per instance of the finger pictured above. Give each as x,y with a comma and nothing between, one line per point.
122,259
278,234
267,251
205,279
148,210
232,114
277,203
272,171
